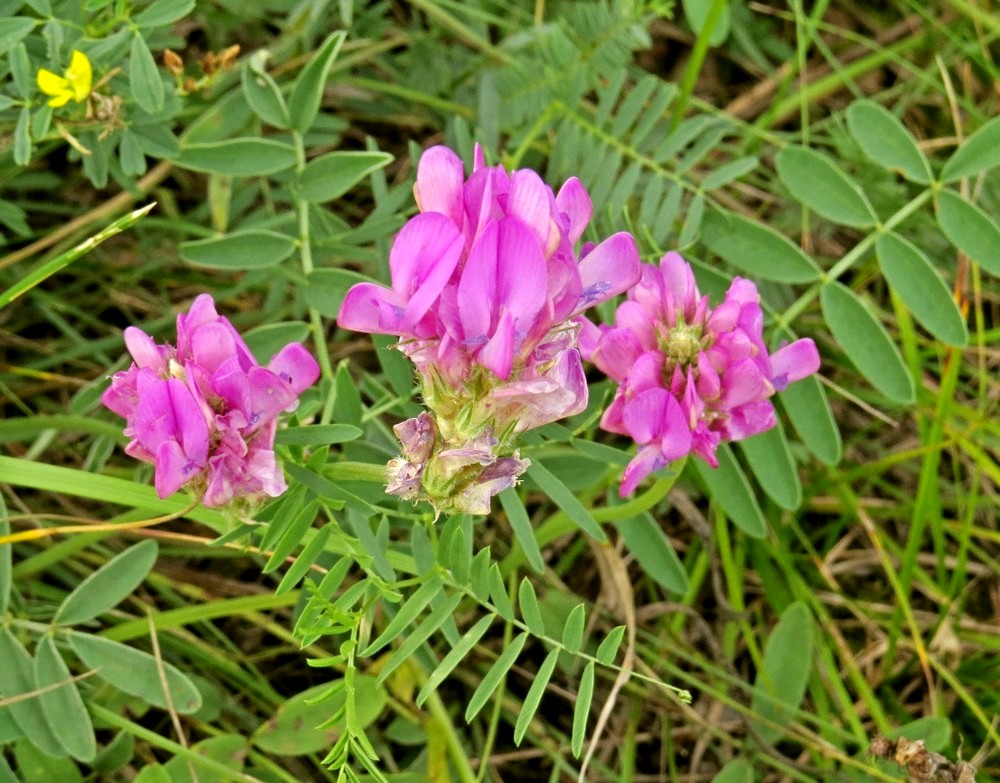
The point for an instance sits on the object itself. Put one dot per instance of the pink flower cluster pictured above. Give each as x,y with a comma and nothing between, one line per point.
690,377
205,412
486,287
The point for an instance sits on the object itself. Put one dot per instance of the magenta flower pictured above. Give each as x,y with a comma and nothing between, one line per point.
205,413
690,377
486,285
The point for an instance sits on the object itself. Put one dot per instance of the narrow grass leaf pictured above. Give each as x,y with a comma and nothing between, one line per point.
498,593
493,678
109,585
253,249
454,657
534,697
17,677
420,634
306,559
581,710
649,545
563,497
601,452
607,650
520,523
780,685
756,249
144,77
572,633
728,486
136,672
925,294
246,157
866,342
318,434
294,530
969,229
817,182
6,561
979,152
307,93
886,141
63,706
738,771
770,459
530,611
49,268
334,174
406,616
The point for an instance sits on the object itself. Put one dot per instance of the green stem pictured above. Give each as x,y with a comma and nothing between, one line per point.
693,67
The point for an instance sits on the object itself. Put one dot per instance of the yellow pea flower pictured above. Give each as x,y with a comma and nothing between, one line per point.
74,84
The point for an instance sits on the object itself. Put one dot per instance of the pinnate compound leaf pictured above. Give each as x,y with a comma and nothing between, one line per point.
13,29
770,459
491,681
454,657
572,633
307,93
498,594
109,585
970,230
979,152
738,771
63,707
144,77
520,523
136,672
163,12
781,683
530,611
756,249
17,677
728,486
264,95
563,497
253,249
406,616
817,182
884,139
294,530
866,343
534,696
581,710
650,546
334,174
609,646
912,276
305,560
246,157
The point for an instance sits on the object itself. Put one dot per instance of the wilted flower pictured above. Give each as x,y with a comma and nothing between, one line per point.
690,377
205,412
73,85
486,284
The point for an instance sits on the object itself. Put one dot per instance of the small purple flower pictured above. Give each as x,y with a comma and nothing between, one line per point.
204,413
690,377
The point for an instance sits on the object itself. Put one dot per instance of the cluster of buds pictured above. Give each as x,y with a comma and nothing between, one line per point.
204,412
487,285
210,64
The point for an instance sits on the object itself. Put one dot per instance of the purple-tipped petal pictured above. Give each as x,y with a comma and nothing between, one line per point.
794,362
173,468
608,270
269,395
648,460
295,366
372,309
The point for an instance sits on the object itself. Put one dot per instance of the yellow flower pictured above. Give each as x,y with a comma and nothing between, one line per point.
74,84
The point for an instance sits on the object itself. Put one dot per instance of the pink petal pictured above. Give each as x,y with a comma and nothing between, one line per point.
521,273
679,281
617,352
296,366
574,202
637,319
794,362
498,354
648,460
144,350
440,175
645,415
173,468
743,382
192,429
530,200
477,289
211,345
423,256
201,312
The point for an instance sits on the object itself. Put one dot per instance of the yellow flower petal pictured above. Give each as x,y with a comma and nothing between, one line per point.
80,75
51,83
60,100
